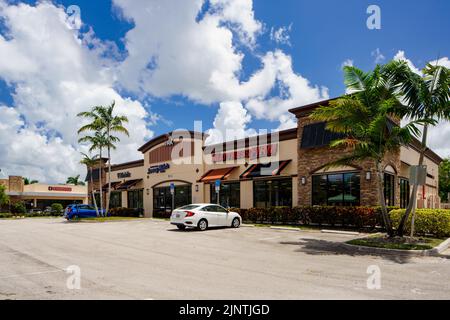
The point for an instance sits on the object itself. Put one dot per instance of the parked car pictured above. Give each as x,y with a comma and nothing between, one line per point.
203,216
35,211
78,211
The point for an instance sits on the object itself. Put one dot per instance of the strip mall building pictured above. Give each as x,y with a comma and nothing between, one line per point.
40,196
261,172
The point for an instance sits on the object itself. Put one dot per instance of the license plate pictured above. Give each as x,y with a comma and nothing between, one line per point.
177,216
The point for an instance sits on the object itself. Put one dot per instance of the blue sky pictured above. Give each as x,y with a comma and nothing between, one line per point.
321,36
324,34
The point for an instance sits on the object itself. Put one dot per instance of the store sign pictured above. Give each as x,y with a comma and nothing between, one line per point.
124,175
159,169
60,189
250,153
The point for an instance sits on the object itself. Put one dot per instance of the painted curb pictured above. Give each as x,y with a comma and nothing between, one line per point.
408,253
285,229
348,233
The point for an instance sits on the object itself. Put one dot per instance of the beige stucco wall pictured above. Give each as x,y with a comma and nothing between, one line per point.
44,188
46,191
428,196
136,173
185,171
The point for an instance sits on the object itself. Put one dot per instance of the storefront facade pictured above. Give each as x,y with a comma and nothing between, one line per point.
357,184
288,169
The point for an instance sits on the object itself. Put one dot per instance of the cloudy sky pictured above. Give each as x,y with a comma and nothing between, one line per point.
237,64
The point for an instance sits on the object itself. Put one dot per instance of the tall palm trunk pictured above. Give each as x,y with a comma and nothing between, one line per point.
109,175
109,180
93,193
413,199
384,211
101,183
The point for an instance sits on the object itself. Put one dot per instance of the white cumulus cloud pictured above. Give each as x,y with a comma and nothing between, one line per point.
55,73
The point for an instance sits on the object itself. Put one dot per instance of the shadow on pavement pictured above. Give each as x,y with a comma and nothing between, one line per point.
324,247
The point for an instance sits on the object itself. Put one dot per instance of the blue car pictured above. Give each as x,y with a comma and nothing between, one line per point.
79,211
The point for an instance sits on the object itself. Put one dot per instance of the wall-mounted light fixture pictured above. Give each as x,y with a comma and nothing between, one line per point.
148,192
368,175
196,188
303,181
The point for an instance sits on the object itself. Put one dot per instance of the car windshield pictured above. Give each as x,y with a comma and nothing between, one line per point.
191,207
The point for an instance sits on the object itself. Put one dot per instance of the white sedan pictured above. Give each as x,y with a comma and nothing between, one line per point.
203,216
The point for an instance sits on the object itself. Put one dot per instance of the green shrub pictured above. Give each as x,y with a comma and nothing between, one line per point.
56,209
358,217
434,222
18,208
5,215
126,212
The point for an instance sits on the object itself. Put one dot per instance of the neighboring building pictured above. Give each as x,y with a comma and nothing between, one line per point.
41,196
256,172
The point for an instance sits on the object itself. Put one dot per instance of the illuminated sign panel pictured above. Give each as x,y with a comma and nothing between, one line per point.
60,189
159,169
124,175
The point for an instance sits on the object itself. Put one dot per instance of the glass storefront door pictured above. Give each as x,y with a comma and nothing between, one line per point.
162,199
229,196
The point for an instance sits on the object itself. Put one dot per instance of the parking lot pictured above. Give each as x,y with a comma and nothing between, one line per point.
146,259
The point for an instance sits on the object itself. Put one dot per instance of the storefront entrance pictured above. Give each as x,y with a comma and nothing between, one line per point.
162,199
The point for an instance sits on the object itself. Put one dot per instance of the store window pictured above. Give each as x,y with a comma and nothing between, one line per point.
162,198
389,189
341,189
229,196
405,192
116,200
272,193
136,199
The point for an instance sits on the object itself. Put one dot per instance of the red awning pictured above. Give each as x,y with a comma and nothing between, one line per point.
261,170
113,185
128,184
217,174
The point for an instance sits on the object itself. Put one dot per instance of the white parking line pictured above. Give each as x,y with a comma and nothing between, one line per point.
31,274
267,239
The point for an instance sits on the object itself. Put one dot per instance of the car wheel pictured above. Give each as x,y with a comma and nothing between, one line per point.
202,225
236,223
181,227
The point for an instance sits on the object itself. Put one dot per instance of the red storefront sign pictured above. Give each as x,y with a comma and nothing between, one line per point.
60,189
250,153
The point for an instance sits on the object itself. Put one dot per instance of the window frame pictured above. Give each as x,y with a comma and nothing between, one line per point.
343,188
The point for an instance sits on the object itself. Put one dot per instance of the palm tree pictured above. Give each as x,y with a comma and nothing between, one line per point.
426,99
75,181
90,162
364,119
103,118
97,142
28,181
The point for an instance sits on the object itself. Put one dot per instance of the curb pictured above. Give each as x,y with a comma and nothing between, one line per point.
284,228
435,252
348,233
